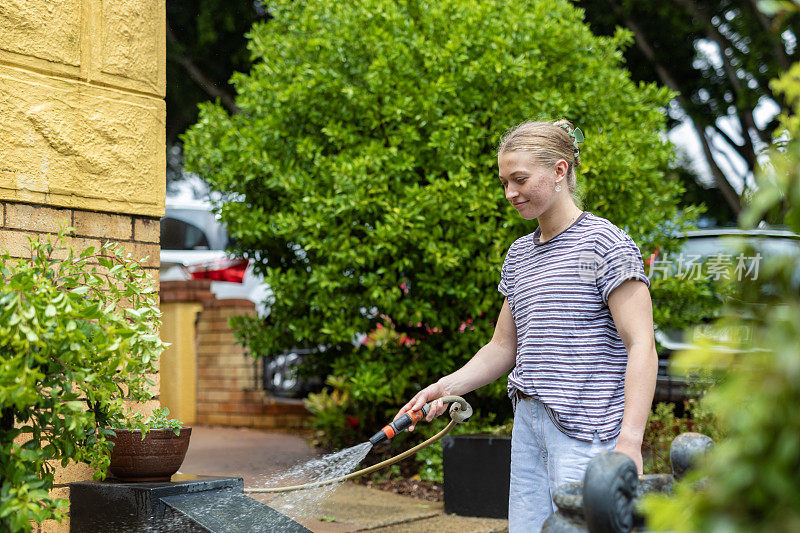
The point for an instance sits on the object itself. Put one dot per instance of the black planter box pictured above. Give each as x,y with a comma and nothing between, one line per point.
477,469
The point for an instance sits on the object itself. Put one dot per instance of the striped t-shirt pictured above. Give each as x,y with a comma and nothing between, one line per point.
569,353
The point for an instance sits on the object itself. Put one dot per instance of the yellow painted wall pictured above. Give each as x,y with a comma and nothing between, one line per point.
82,113
82,130
178,363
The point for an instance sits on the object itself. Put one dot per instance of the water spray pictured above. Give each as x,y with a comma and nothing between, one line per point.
460,412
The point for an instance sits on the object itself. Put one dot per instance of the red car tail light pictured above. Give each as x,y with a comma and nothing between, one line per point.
223,270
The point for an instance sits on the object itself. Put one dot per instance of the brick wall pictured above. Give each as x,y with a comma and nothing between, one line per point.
139,235
229,391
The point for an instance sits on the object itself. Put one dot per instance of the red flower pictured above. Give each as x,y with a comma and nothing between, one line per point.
352,421
653,257
405,340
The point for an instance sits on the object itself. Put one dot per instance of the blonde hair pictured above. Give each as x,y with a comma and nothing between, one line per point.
547,142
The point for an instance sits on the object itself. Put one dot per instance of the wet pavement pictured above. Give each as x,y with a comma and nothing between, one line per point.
255,455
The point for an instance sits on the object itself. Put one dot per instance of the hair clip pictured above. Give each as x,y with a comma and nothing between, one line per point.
577,137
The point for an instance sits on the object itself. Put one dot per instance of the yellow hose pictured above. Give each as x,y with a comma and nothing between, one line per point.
460,412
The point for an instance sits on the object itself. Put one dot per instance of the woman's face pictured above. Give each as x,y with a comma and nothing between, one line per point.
529,185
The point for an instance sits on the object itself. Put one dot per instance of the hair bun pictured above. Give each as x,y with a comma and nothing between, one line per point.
564,122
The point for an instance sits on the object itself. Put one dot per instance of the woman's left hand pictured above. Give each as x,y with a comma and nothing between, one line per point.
632,450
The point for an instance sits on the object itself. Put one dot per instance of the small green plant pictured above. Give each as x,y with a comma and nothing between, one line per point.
158,420
77,341
663,426
334,420
385,474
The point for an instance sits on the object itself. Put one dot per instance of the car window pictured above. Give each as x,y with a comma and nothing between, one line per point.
180,235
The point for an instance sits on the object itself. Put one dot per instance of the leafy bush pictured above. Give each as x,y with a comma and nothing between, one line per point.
751,478
76,340
682,303
361,173
333,414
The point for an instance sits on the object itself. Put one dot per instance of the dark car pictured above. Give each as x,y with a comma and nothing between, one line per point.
713,249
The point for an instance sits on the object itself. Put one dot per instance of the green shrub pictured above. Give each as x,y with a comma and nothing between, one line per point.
681,303
361,174
751,479
76,340
334,415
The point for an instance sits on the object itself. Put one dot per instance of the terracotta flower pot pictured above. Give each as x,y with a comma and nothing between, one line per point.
155,458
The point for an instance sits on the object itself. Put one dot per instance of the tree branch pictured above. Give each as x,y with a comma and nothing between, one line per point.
741,150
724,155
201,79
725,187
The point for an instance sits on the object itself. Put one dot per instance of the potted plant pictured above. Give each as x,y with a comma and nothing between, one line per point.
150,449
78,342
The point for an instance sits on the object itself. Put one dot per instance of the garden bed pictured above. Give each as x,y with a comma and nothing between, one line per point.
416,488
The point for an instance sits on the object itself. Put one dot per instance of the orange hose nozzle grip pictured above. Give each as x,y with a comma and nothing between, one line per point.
399,424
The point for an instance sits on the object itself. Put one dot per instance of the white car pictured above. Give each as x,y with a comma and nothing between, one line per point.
193,243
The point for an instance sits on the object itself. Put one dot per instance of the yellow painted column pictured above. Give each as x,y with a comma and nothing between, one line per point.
179,361
82,134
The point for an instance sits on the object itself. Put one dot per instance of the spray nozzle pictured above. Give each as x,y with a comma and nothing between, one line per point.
401,423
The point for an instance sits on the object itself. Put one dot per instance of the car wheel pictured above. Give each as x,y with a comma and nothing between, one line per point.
280,375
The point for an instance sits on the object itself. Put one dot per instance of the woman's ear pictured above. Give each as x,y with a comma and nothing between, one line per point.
561,169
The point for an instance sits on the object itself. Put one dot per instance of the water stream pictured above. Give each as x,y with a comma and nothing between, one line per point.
307,503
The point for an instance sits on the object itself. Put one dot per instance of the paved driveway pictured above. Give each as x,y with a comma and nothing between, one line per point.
256,455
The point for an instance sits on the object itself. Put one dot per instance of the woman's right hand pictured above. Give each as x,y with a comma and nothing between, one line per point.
431,393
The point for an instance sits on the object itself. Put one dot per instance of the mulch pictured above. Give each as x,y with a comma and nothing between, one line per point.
423,490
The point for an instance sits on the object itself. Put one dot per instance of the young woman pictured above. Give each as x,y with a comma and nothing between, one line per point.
575,329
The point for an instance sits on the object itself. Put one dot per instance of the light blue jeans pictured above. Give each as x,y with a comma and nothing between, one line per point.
542,459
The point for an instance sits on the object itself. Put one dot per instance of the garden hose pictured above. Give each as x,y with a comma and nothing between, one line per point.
460,412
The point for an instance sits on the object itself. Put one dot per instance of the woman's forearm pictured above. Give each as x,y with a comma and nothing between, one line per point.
489,363
640,382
